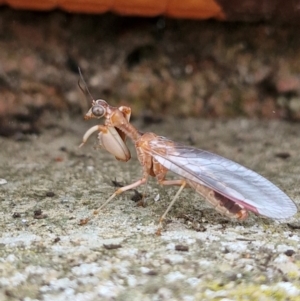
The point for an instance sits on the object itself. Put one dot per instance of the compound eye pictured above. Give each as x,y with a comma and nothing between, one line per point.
98,111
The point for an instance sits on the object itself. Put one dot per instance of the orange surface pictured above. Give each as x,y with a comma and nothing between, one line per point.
200,9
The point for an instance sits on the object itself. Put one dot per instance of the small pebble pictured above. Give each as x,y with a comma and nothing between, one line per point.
3,181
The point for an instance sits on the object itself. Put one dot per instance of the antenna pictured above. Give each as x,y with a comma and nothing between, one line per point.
85,85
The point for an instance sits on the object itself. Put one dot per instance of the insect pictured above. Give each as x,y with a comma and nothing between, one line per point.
232,189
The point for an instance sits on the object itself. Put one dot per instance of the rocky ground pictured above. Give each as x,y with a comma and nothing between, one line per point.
48,186
195,82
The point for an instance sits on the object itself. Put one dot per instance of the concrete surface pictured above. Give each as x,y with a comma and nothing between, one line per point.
48,185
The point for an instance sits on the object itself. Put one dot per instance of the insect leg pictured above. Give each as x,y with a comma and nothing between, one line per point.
121,190
90,131
143,201
160,172
182,184
178,182
110,140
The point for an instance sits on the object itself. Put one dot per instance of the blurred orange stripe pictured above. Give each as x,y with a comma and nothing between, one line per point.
201,9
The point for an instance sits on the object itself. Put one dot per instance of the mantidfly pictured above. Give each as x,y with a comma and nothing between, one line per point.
229,187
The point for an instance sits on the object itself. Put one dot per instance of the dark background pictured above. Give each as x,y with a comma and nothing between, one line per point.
158,66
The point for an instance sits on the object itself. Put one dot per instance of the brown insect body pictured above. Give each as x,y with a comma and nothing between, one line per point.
118,118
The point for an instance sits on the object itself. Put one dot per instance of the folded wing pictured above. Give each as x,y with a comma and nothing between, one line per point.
224,176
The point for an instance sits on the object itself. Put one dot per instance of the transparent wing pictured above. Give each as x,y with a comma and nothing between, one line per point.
224,176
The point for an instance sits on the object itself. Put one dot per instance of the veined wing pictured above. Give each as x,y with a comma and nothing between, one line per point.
224,176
